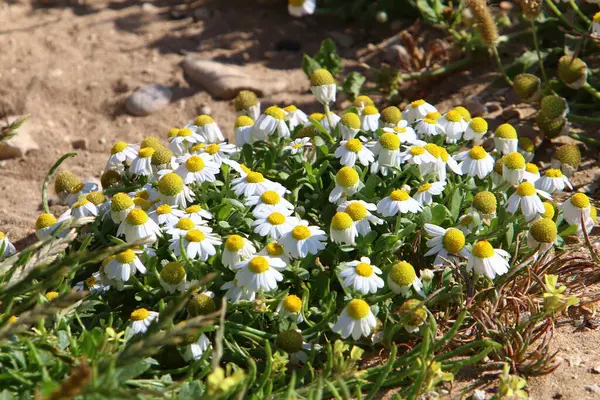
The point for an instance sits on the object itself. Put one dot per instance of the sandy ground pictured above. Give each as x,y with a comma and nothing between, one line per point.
72,67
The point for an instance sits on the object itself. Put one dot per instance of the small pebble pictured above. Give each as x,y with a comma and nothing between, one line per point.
148,99
79,144
592,388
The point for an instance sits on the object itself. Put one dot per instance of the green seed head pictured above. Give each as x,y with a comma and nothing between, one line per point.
485,202
110,178
244,100
568,154
173,273
161,156
544,230
152,142
65,182
551,127
321,77
289,341
572,72
391,115
553,106
201,304
412,313
527,87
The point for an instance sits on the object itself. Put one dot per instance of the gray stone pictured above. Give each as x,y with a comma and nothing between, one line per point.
478,395
596,369
476,108
148,99
592,388
21,144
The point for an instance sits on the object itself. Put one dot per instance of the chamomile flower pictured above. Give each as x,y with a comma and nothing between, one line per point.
526,148
197,168
567,158
454,125
64,183
235,292
335,119
485,260
426,191
198,243
201,304
46,224
236,249
361,276
369,119
416,154
194,349
173,277
553,181
506,139
294,116
142,164
323,86
269,201
166,216
353,150
141,319
342,229
7,249
542,234
387,150
207,129
274,224
291,307
163,159
466,224
220,152
485,204
181,140
297,145
349,125
275,250
577,207
120,153
197,214
532,173
246,104
475,162
94,284
596,24
360,212
272,120
362,101
356,320
138,226
398,201
173,191
416,110
300,8
251,184
390,117
292,342
445,244
260,273
243,130
412,315
303,240
120,206
121,267
180,228
80,190
83,208
445,160
346,184
476,130
429,126
526,195
406,134
402,278
513,168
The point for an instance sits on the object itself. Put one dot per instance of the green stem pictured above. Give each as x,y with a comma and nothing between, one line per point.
580,13
500,65
47,180
592,90
586,140
560,15
584,119
536,43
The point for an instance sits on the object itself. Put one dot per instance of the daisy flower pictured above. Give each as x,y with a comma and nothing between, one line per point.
542,234
162,159
7,249
295,117
485,260
445,244
416,110
406,134
201,304
46,224
243,128
119,154
274,224
268,202
454,125
369,119
346,184
526,195
220,152
513,168
271,120
575,208
123,265
416,154
292,342
141,319
360,212
197,168
196,348
567,158
476,130
335,119
349,125
246,104
466,224
426,191
300,8
180,228
138,226
387,150
173,191
120,206
251,184
398,201
390,117
361,276
197,214
297,145
173,277
596,25
80,190
235,292
260,273
526,148
553,181
181,140
356,319
402,277
94,284
342,229
506,139
291,307
485,204
362,101
303,240
83,208
275,250
351,151
208,130
475,162
64,183
142,164
235,250
412,315
323,86
166,216
532,173
429,126
198,243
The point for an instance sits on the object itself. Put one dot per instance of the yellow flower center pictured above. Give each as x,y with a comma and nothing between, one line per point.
580,200
197,147
351,120
152,142
292,303
2,235
173,132
126,257
364,269
548,210
525,189
234,243
185,224
466,221
389,141
77,188
391,115
362,101
321,77
526,144
424,187
202,120
483,249
341,221
553,173
317,116
163,209
544,230
118,147
433,149
137,217
270,197
142,203
201,304
90,282
358,309
274,249
301,232
400,130
356,211
51,296
370,110
143,194
161,156
429,121
195,235
354,145
479,125
403,274
597,17
485,202
146,152
514,161
417,150
254,177
275,112
454,240
506,131
185,132
463,112
532,168
121,202
173,273
193,209
477,153
346,177
434,115
276,218
81,203
417,103
291,108
212,149
170,184
45,220
399,195
139,315
195,164
243,121
258,265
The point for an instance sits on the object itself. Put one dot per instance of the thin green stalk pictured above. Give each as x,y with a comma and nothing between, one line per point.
584,119
592,90
500,65
560,15
536,43
580,13
47,180
384,374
